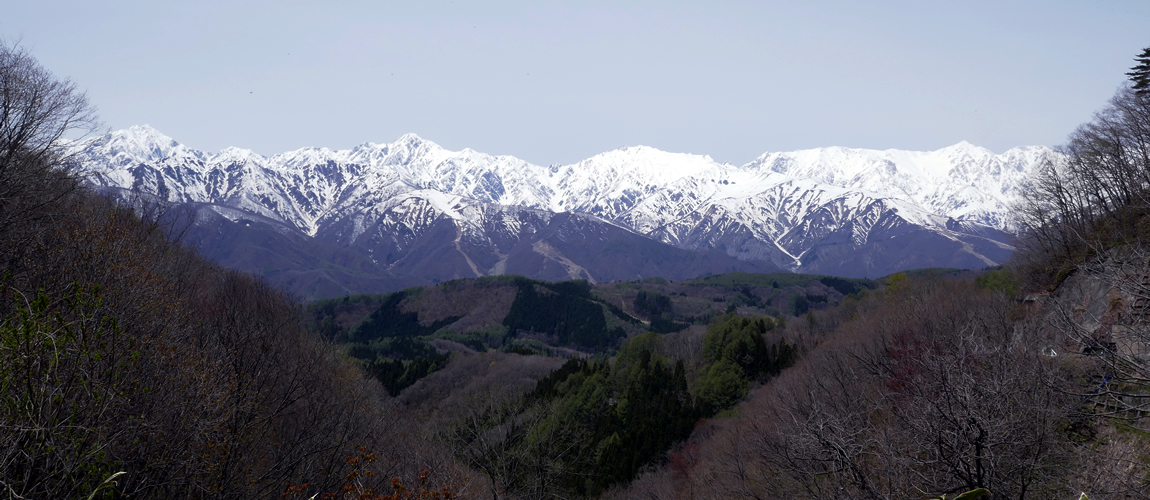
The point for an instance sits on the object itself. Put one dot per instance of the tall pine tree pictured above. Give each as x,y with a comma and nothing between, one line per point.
1140,74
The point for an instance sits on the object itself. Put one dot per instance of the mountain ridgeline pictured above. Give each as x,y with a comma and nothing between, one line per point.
383,217
132,367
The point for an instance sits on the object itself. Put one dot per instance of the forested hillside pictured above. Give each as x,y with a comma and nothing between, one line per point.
132,368
1029,382
404,336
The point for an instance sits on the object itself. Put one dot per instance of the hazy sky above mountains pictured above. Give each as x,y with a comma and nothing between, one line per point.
555,82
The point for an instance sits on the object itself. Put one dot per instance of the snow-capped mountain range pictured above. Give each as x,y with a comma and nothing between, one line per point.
834,210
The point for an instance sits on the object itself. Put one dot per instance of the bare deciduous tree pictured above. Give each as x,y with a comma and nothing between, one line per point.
1097,193
37,109
931,390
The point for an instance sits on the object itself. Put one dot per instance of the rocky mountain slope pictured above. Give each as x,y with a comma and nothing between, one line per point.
380,216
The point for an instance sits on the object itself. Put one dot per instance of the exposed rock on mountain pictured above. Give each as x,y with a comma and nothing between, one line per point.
381,216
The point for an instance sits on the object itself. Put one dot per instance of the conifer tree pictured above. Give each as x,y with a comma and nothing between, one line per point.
1140,74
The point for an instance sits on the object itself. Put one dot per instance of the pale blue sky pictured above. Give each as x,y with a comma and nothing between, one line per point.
555,82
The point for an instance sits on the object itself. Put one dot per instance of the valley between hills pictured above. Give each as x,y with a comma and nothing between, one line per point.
400,321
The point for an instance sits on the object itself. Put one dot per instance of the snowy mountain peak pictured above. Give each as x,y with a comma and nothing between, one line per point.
144,143
412,142
647,164
144,132
133,146
234,155
411,148
410,138
777,207
967,149
303,157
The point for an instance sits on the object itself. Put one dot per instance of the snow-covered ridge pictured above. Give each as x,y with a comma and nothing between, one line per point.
689,201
